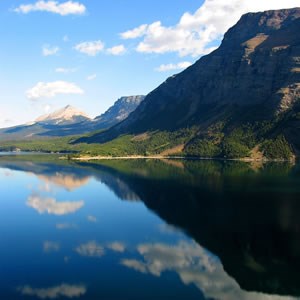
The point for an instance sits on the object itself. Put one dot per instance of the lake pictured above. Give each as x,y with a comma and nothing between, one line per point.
148,229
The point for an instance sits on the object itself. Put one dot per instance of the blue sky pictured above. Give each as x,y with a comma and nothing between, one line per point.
88,53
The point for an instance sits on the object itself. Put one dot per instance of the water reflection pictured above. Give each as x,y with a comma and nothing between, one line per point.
94,249
194,265
52,206
63,290
69,182
248,217
50,246
62,226
91,249
230,230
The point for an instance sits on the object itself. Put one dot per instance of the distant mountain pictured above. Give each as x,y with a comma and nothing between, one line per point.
63,122
119,111
246,90
66,115
71,121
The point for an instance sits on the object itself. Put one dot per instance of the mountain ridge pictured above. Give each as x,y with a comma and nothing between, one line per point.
252,78
69,121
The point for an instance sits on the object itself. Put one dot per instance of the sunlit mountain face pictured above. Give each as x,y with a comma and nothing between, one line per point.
153,229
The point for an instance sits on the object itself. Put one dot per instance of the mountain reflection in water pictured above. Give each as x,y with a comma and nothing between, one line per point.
227,230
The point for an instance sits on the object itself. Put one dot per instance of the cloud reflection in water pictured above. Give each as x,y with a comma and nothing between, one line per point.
63,290
194,265
52,206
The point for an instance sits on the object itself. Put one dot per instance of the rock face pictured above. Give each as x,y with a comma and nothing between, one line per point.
253,76
119,111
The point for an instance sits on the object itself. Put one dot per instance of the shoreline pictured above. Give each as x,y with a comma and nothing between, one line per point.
91,158
64,156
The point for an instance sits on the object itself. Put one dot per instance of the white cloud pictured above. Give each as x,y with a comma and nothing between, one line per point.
171,67
117,50
51,89
91,77
63,9
63,290
65,70
91,249
52,206
91,48
48,50
194,33
134,33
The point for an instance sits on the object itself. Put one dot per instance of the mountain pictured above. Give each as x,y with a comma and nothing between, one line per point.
244,94
71,121
63,122
66,115
119,111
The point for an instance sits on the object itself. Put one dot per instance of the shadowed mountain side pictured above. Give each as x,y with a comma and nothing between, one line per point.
254,76
229,209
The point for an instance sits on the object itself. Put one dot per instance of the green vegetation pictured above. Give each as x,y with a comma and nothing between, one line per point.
125,145
202,148
233,149
216,141
277,148
238,143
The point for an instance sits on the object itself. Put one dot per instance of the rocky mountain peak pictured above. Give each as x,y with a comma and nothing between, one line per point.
68,114
120,110
253,24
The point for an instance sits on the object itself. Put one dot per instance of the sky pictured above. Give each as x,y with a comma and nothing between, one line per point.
89,53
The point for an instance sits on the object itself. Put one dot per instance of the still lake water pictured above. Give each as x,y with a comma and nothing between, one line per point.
148,229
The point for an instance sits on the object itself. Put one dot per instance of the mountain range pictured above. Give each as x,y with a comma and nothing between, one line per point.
240,101
242,95
71,121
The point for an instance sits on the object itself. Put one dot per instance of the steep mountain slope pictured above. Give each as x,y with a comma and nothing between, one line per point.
252,80
71,121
